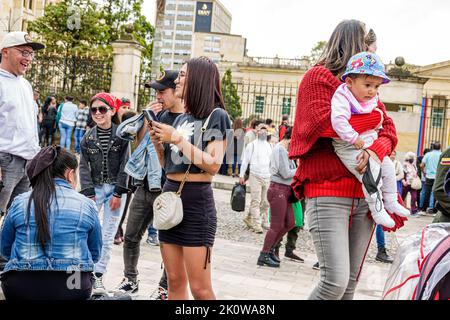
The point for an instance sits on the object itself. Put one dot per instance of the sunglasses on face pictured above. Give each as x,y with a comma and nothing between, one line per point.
101,109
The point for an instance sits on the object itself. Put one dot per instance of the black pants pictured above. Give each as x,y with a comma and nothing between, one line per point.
46,285
47,133
428,189
139,217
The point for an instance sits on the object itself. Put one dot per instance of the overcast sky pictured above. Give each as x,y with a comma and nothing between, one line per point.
418,30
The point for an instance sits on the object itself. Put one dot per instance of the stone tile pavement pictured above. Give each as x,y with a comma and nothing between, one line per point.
236,275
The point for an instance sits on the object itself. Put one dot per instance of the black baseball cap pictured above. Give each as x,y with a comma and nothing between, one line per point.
164,81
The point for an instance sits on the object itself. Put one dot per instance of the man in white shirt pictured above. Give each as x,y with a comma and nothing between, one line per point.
257,155
19,141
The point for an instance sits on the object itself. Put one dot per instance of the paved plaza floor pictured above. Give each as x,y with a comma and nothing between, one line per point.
235,273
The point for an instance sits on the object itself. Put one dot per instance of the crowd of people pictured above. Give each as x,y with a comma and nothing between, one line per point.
336,162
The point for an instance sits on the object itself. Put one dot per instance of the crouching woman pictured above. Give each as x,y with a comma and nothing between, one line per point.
51,235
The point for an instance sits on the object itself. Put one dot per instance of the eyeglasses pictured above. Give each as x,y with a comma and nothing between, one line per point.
101,109
26,53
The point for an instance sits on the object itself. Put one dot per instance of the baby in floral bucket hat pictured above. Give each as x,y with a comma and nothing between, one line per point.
364,75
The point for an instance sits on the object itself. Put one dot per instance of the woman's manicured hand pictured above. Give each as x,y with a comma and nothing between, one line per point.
165,133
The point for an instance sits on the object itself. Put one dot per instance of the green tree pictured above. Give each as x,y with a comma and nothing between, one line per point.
117,14
71,27
230,96
317,51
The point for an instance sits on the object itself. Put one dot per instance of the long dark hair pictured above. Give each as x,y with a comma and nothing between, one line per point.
47,103
347,39
202,91
44,191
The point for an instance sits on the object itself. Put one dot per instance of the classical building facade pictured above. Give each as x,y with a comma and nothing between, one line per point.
15,14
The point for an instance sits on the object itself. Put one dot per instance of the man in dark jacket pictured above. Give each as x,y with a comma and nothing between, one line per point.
440,194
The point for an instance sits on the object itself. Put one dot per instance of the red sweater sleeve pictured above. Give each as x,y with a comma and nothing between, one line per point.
359,122
387,137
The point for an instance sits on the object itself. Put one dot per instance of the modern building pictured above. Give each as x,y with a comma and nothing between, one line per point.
177,21
219,47
15,14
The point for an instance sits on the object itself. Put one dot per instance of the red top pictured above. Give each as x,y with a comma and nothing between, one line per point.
320,172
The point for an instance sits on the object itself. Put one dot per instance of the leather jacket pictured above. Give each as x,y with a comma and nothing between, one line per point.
91,163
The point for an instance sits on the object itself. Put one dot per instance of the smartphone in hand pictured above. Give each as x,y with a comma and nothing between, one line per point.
150,116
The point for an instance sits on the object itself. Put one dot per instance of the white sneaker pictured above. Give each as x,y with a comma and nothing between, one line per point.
382,217
98,288
397,208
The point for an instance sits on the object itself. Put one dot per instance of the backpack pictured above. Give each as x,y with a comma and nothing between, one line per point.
58,115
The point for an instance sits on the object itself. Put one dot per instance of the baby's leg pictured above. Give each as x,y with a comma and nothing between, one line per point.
389,189
371,181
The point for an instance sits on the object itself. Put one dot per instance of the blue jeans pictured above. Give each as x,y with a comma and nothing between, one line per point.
110,223
422,198
400,187
79,133
66,135
152,231
380,237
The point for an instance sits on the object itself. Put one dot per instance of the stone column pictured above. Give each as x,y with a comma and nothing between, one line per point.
127,57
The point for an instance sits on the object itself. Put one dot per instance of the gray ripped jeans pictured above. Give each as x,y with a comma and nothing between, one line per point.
340,248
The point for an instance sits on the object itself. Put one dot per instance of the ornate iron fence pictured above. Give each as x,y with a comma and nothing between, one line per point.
78,76
267,100
144,95
434,122
261,100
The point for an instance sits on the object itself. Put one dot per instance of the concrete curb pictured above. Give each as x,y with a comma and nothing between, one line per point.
225,186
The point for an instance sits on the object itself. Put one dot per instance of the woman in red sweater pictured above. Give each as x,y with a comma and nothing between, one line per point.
336,211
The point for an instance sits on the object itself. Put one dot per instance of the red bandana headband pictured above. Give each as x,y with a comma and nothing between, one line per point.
109,99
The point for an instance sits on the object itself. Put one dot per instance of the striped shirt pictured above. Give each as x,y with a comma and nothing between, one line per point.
104,136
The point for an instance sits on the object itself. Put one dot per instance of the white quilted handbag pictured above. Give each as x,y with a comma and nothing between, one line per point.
168,211
168,207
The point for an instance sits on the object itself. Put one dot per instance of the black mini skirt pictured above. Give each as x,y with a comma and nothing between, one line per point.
199,224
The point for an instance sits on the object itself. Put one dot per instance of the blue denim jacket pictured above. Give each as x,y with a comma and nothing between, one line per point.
144,162
75,234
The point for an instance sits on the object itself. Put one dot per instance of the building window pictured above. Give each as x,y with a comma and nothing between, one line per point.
30,5
24,3
286,106
259,104
24,25
437,118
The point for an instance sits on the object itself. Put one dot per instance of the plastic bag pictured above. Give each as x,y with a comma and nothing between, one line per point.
298,213
238,197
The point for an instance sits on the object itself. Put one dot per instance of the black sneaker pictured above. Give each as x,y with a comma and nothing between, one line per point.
293,257
316,266
127,286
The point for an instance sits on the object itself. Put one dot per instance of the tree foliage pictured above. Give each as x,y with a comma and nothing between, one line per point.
82,26
230,96
117,14
71,27
317,51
